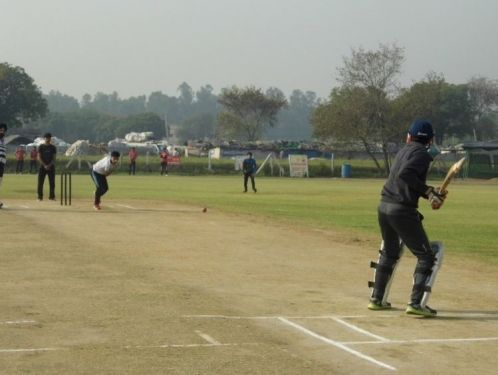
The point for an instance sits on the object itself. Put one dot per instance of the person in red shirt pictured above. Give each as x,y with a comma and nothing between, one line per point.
33,164
133,155
20,159
164,161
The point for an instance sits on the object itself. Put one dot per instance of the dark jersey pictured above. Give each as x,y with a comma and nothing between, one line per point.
47,153
407,180
249,166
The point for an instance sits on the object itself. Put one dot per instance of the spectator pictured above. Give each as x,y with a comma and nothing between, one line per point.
20,152
133,155
164,161
33,164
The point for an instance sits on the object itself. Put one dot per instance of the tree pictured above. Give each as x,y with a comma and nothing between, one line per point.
132,106
71,126
20,99
205,101
204,110
61,103
446,105
369,79
86,100
247,112
483,95
294,120
164,105
185,100
377,70
198,126
347,117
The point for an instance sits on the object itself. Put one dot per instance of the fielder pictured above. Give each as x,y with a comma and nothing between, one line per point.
249,169
100,170
401,223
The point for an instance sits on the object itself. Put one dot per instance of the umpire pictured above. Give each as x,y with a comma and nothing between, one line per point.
400,220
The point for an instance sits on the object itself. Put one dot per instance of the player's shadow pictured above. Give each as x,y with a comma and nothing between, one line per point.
478,315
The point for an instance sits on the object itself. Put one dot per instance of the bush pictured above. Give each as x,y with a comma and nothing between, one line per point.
198,166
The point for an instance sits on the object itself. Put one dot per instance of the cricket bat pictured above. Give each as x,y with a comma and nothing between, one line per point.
452,172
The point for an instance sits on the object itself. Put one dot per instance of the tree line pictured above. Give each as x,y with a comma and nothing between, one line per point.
195,115
101,117
371,109
368,107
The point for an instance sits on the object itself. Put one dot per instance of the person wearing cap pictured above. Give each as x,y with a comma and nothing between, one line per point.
249,169
400,221
46,157
3,153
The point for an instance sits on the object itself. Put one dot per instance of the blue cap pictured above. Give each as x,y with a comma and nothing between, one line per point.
421,129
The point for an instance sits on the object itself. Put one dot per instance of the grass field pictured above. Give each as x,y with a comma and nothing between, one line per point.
467,223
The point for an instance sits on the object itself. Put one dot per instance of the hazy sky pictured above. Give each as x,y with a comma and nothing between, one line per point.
136,47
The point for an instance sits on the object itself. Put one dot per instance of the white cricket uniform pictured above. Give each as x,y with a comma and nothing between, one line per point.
3,152
104,166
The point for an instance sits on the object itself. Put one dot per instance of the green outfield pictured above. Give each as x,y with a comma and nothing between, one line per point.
467,223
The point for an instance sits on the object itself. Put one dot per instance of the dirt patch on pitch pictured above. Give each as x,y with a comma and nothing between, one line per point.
149,287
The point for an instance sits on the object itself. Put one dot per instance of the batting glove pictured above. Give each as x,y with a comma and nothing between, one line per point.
436,197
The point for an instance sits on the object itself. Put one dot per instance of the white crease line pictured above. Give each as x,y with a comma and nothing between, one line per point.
337,344
27,350
126,206
19,322
360,330
24,206
472,339
208,338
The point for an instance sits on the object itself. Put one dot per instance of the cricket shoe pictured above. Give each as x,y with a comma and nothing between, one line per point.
377,305
97,207
416,309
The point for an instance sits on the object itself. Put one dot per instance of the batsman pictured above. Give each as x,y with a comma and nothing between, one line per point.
401,223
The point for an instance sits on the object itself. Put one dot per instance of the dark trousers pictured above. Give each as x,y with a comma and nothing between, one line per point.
19,166
398,222
133,167
42,172
164,168
246,177
100,184
33,164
